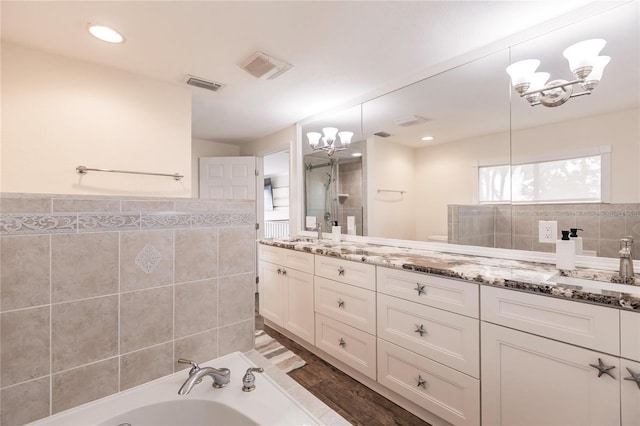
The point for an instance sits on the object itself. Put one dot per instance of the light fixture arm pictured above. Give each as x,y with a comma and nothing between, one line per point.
555,86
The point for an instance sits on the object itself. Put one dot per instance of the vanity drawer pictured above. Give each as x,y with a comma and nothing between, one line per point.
293,259
354,347
451,339
354,273
581,324
451,295
354,306
630,335
452,395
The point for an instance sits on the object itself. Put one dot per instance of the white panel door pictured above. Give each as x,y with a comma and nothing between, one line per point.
228,178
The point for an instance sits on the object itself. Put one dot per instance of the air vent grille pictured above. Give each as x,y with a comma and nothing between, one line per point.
382,134
204,84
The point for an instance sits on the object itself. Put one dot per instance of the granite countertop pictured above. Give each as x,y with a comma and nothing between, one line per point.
582,284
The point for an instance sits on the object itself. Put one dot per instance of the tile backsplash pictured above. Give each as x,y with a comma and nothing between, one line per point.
100,294
516,226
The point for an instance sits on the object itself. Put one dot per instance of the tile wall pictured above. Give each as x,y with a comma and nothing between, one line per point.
98,295
517,226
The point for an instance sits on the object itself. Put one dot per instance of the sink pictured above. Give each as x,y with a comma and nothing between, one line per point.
592,285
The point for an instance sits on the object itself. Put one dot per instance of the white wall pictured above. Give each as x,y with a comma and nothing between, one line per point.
391,166
278,141
202,148
445,174
58,113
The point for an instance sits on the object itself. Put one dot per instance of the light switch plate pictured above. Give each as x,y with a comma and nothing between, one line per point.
547,231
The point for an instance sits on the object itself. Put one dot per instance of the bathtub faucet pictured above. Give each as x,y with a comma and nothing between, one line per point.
220,376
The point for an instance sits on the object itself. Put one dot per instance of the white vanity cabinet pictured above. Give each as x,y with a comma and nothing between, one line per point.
428,351
286,290
345,308
630,367
530,376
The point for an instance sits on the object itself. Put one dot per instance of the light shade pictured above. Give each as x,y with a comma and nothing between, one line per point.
314,138
330,133
105,33
584,53
598,68
521,72
538,80
345,138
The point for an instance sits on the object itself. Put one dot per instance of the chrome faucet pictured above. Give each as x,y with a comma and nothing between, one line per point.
319,229
626,258
220,376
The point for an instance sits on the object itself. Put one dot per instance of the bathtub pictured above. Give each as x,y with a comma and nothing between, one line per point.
157,403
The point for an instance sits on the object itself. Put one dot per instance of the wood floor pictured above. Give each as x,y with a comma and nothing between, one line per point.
355,402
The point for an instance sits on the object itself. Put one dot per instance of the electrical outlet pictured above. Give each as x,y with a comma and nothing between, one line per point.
547,231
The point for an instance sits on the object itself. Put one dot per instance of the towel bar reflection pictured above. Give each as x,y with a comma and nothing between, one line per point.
82,170
392,190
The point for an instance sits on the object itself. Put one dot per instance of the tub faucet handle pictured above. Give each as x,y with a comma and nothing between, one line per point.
249,380
194,365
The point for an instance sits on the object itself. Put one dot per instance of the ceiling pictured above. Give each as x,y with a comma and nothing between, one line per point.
340,50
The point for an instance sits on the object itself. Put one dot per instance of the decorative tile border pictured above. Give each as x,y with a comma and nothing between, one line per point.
108,222
165,220
223,219
38,224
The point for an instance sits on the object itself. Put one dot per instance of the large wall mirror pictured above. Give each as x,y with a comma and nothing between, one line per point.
495,165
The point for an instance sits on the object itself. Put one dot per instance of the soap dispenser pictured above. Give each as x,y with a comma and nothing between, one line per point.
566,253
336,231
578,240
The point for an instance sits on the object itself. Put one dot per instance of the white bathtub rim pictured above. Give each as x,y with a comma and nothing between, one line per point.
101,410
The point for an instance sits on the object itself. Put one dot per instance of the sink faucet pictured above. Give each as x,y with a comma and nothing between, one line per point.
220,376
319,229
626,258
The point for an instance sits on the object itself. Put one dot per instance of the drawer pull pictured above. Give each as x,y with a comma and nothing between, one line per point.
420,289
420,329
340,303
634,377
279,271
341,271
603,368
284,272
422,383
342,343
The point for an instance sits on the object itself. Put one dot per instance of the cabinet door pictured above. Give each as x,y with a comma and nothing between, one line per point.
271,284
530,380
630,392
298,305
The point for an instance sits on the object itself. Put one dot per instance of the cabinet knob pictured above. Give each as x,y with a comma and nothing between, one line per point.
603,368
342,343
422,383
420,289
420,329
279,271
284,272
341,271
635,377
340,303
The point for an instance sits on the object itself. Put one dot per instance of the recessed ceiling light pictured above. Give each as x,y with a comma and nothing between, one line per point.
105,33
356,154
427,138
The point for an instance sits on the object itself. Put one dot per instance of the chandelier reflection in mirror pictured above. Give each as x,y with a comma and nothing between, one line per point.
329,140
585,64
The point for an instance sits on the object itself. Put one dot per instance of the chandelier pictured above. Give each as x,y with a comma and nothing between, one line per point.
585,64
328,138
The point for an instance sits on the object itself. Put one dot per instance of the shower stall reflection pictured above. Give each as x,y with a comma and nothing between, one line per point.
333,189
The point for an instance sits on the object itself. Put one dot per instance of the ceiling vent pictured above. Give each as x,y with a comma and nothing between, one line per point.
203,84
382,134
265,67
409,120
